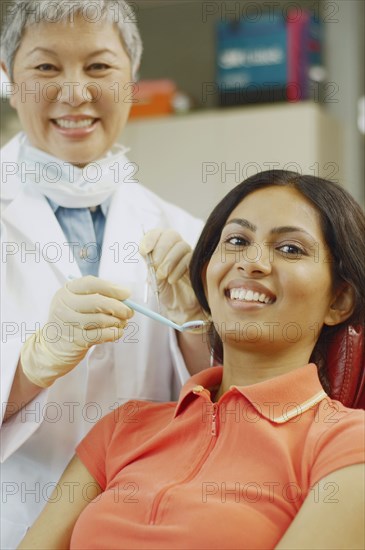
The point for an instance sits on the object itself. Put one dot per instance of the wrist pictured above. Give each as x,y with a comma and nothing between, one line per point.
40,365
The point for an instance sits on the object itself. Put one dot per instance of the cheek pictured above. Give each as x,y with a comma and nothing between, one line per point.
308,286
32,99
49,94
215,273
16,100
117,95
114,112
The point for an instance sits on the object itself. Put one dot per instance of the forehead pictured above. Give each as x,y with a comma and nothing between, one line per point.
66,33
278,206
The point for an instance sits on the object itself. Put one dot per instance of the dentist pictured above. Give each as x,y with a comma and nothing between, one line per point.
73,214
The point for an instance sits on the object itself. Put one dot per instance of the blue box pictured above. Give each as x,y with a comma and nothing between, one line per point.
269,59
252,59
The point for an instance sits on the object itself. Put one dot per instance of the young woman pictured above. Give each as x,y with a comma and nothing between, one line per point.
255,454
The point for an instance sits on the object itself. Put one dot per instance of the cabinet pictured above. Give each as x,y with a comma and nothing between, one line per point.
194,160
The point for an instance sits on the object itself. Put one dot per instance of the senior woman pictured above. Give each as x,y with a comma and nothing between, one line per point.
72,217
255,454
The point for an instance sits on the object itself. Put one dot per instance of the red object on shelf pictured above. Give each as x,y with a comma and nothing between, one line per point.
153,98
298,56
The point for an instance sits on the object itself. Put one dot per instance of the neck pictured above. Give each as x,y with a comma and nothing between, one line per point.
248,366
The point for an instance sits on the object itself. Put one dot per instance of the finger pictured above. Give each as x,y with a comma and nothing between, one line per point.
97,335
72,320
94,303
95,285
149,241
165,246
159,242
172,259
112,334
181,270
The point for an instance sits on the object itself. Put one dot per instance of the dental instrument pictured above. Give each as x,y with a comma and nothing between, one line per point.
190,325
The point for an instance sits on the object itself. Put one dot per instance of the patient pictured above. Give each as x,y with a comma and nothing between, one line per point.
255,454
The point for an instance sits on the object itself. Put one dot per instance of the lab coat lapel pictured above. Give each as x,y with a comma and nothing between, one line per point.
30,214
131,213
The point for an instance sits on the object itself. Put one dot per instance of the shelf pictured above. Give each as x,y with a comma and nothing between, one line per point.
195,160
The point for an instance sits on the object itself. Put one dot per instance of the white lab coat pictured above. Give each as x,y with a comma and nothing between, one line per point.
37,443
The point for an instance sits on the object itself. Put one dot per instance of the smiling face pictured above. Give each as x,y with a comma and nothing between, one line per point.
73,93
269,282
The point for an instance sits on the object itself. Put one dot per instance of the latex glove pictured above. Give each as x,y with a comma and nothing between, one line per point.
171,257
85,312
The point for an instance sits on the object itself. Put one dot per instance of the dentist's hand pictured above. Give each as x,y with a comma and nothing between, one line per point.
171,257
84,312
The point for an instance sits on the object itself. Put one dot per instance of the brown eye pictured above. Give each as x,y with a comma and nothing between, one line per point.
237,240
291,250
44,67
98,67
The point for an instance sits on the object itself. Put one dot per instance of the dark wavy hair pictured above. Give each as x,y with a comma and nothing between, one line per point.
343,227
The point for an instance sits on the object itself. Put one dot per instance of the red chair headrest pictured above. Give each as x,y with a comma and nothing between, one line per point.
346,367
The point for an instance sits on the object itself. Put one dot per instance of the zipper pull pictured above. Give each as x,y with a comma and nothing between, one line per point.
214,419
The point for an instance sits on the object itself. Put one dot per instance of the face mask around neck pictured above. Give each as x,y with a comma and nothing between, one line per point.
66,184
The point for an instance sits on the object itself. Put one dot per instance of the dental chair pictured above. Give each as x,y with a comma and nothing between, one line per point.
346,367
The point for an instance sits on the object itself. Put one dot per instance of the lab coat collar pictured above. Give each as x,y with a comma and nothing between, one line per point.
279,399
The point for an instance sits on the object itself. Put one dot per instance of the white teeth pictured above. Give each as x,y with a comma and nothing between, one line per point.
248,295
238,294
63,123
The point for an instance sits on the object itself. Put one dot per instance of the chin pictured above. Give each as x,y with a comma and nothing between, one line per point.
74,158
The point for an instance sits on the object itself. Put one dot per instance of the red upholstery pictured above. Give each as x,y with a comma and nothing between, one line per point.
346,367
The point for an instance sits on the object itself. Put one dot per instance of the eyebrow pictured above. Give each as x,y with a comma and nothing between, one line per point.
39,48
275,230
104,50
46,50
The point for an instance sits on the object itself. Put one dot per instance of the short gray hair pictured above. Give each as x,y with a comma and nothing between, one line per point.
23,13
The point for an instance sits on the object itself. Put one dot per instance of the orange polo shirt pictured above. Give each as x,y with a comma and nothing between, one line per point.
225,475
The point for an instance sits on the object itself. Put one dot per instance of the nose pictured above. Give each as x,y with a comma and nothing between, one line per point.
77,91
254,260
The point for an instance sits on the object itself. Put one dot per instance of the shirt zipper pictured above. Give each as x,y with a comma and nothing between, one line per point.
198,466
214,419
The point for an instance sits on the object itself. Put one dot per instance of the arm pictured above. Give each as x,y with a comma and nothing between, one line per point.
21,393
332,515
170,259
81,303
53,528
194,349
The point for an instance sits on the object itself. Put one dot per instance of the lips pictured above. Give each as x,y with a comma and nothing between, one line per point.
249,291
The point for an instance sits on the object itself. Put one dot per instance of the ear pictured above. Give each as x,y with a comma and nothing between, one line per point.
5,70
342,305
